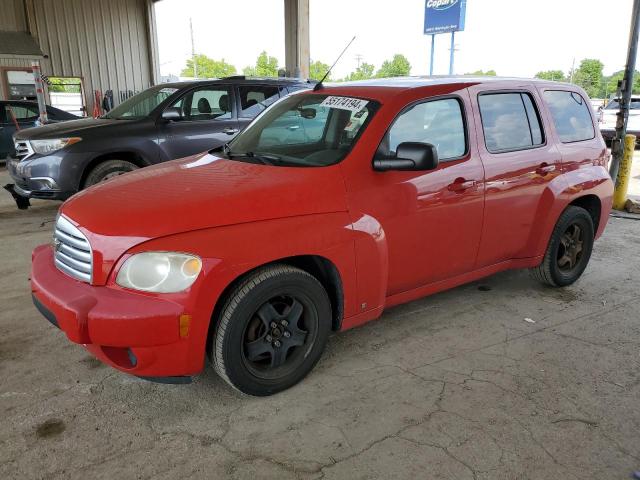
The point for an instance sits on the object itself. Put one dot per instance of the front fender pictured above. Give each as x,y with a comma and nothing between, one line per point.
560,193
231,251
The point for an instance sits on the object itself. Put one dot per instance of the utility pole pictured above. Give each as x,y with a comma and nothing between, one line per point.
193,51
625,90
573,69
359,58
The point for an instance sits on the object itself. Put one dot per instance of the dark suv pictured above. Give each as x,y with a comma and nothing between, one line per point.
165,122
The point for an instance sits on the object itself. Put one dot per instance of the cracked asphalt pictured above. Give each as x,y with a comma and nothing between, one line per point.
454,386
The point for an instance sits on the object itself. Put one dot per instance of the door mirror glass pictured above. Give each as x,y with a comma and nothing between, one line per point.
172,114
410,156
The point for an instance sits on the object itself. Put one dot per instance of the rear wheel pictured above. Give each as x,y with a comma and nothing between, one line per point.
569,249
107,170
272,330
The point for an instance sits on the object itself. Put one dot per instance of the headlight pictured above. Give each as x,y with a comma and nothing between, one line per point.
160,272
44,147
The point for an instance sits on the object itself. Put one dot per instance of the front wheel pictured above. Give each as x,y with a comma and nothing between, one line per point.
569,249
107,170
272,330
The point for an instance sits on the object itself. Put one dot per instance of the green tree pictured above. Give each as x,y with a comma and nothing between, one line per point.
208,67
397,67
265,66
480,73
589,76
610,84
317,70
553,75
363,72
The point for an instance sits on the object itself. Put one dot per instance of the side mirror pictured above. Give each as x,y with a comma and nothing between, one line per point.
171,114
410,156
308,113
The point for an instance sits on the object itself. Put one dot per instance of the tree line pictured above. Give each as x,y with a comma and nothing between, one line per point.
589,76
267,66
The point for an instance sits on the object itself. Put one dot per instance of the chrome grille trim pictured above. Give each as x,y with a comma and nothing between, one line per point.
23,149
73,254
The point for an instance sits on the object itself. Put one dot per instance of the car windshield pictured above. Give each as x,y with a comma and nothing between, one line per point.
304,130
142,104
615,104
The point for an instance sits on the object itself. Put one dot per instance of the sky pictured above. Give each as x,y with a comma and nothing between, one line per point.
513,37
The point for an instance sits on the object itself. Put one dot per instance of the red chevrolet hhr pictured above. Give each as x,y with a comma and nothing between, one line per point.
331,206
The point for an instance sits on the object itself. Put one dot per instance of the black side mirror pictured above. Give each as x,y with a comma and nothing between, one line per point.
171,114
411,156
308,113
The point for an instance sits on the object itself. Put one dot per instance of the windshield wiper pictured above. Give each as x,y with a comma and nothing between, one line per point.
259,158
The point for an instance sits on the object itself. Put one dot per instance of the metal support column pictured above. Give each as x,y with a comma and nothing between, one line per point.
453,49
433,51
296,37
626,88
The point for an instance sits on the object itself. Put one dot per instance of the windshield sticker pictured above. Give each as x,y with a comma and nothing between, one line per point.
168,90
344,103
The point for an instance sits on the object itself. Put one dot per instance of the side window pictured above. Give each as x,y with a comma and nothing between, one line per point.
23,113
211,103
439,122
510,121
571,116
255,98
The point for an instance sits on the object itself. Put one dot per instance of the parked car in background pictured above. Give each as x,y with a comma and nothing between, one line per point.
388,190
25,114
608,119
162,123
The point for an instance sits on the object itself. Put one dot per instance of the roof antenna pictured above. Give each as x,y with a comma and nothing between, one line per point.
319,84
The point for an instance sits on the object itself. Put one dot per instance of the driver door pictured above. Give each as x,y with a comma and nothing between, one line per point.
431,221
208,121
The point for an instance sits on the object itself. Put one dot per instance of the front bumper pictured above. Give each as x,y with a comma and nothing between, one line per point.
51,177
135,333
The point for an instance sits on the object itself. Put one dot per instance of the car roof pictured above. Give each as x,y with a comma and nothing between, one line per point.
426,81
240,80
382,89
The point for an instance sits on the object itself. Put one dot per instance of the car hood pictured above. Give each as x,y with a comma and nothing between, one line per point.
69,128
199,192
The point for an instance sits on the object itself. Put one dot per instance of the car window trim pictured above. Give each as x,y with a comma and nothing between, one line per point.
411,105
593,125
535,106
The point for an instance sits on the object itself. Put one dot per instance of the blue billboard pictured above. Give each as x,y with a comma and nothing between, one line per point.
442,16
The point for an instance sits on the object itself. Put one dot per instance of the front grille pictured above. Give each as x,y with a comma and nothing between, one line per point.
72,251
23,149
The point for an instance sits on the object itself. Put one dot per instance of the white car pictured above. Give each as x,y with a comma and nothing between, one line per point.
608,119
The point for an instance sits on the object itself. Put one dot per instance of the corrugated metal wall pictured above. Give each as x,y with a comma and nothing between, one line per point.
12,16
104,42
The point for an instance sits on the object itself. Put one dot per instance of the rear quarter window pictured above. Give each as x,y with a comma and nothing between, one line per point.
571,116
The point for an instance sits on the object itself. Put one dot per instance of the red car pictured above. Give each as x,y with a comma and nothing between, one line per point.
331,206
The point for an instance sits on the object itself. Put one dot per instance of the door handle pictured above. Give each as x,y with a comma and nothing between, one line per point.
293,127
545,168
230,131
461,185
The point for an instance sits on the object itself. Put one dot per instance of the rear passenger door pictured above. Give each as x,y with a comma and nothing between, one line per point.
208,121
253,99
519,161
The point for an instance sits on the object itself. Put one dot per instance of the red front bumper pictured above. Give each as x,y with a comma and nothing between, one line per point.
133,332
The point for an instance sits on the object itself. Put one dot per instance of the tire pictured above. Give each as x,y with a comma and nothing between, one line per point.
563,264
263,341
107,170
